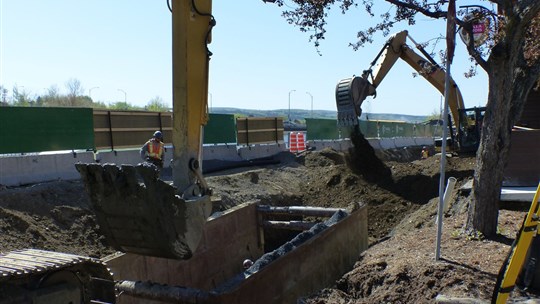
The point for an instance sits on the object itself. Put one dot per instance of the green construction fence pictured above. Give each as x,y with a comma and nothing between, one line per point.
221,128
327,129
26,129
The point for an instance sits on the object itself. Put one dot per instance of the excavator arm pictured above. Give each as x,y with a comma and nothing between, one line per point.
138,212
351,92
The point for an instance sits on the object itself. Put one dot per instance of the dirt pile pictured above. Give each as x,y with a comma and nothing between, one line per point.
363,160
399,266
52,216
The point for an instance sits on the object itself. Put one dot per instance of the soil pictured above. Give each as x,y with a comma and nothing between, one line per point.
399,188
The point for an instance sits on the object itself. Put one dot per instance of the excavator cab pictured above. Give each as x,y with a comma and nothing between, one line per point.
470,127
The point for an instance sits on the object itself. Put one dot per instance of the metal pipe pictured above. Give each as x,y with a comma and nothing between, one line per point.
155,291
289,225
297,210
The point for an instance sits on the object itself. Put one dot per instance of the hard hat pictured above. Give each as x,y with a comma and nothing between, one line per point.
247,263
158,134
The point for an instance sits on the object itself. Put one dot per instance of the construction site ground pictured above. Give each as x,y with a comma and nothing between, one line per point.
401,193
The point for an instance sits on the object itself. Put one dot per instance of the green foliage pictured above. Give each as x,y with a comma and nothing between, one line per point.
21,98
435,115
157,104
124,106
74,98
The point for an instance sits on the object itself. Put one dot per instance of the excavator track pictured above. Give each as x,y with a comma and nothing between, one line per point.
38,276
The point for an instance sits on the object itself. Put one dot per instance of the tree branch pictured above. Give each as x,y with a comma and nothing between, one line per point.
426,12
528,9
500,2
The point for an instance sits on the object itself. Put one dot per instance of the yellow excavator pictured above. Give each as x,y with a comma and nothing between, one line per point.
137,212
351,92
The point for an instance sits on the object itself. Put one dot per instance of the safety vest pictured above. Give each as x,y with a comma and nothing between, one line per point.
155,149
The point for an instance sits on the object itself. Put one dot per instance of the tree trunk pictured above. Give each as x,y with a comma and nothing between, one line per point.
510,80
490,158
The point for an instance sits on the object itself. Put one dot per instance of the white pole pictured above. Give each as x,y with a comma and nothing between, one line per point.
450,46
443,163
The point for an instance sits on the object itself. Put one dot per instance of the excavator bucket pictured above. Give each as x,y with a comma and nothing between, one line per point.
139,213
350,93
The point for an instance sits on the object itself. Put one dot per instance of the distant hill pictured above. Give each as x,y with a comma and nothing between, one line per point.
301,115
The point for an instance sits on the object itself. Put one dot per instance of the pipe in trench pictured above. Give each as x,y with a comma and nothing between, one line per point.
155,291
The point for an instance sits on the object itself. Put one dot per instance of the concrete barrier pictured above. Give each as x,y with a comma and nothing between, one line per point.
338,145
221,152
401,142
128,157
260,151
424,141
387,143
375,143
29,169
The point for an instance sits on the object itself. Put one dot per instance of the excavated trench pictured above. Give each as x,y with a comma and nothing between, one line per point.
392,185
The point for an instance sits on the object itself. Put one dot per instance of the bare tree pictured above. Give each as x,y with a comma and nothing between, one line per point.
3,96
510,59
75,89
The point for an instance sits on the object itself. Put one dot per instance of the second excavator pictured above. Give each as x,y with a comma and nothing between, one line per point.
351,92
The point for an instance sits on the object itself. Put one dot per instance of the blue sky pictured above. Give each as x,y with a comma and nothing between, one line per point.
120,46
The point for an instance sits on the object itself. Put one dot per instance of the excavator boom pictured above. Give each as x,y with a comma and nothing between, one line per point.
138,212
351,92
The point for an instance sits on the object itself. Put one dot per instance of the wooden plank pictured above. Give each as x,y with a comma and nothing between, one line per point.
258,130
127,129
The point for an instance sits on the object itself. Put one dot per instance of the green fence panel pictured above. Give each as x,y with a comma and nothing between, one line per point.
398,129
423,130
435,131
318,129
406,130
25,129
368,128
221,128
386,129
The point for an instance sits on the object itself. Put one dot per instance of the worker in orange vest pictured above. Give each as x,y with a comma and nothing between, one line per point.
425,152
153,150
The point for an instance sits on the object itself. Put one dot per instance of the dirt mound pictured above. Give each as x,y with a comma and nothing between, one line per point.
52,216
362,160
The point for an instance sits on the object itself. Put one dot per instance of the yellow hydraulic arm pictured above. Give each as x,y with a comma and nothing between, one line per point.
192,22
351,92
155,218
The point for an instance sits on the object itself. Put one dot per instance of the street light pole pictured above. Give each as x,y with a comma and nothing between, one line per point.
290,103
125,95
311,103
90,92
